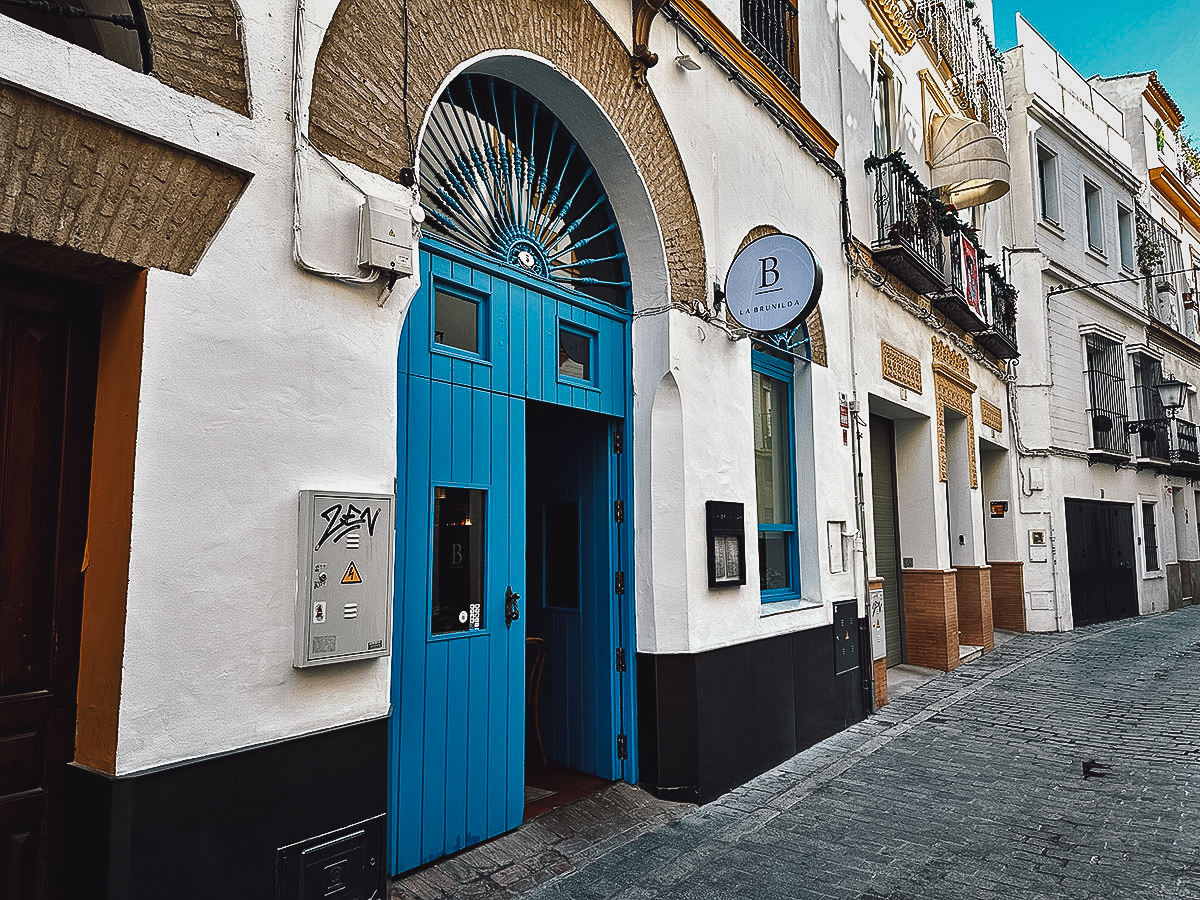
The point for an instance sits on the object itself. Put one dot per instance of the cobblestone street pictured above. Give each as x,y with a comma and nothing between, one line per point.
1060,765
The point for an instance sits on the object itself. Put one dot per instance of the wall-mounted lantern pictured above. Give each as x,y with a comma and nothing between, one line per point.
1172,392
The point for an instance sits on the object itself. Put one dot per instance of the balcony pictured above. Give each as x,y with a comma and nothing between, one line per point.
1000,339
909,242
1167,295
960,45
769,29
1165,442
962,299
922,242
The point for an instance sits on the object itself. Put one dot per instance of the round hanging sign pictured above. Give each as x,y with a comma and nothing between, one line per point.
773,284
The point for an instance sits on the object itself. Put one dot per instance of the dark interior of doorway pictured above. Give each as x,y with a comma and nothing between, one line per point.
567,544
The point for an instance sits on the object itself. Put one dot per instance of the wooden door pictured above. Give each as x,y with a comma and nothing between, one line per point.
479,343
48,352
1103,571
887,542
459,694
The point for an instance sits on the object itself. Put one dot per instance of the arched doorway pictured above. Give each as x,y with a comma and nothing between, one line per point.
514,392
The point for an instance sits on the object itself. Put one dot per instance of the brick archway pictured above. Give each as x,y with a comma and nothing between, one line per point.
357,110
198,50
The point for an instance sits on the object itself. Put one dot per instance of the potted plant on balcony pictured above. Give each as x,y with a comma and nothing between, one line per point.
1150,251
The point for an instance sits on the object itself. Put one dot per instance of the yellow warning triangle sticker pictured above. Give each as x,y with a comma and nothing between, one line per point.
351,576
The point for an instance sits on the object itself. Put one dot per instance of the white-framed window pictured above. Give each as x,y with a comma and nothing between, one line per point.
883,96
1125,236
1047,170
1093,211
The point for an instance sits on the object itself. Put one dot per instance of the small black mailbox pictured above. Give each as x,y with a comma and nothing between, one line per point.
845,636
726,543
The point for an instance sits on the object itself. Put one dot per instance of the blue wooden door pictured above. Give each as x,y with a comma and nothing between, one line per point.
458,678
480,346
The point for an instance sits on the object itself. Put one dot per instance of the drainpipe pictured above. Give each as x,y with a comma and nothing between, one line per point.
862,589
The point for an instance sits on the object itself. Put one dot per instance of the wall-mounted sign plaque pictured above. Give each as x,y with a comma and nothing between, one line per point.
773,284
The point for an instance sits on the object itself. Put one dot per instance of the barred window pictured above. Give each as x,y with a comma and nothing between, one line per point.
1152,437
1107,409
769,28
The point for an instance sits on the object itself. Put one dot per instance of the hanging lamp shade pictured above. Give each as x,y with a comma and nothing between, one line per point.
967,162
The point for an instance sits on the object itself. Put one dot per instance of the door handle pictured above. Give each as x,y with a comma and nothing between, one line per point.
512,611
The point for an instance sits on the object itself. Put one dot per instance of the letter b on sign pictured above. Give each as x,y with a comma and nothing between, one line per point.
770,270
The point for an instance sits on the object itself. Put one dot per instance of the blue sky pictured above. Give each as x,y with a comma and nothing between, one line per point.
1100,37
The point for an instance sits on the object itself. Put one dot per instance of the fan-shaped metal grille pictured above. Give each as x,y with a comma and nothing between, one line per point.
502,176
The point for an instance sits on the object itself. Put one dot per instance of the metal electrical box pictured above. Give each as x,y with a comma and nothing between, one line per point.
386,236
344,594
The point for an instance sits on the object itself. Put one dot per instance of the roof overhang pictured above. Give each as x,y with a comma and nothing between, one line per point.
967,162
1177,195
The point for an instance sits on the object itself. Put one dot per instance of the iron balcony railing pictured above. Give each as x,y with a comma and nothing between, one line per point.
1184,449
1165,292
1001,305
769,29
1172,441
1149,430
909,240
1151,439
961,44
922,242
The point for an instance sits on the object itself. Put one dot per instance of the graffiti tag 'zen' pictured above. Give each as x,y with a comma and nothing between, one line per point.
339,524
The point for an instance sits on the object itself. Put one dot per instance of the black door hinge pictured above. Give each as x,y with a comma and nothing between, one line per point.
620,659
622,747
619,583
618,441
619,511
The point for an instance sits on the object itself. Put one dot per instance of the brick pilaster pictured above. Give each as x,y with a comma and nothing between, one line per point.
973,585
1008,595
931,618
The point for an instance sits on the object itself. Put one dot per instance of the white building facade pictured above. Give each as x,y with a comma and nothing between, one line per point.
1107,509
592,474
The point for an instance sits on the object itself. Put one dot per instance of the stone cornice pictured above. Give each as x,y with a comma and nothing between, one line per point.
893,22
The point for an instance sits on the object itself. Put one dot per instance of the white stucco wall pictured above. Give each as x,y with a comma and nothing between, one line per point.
761,178
258,380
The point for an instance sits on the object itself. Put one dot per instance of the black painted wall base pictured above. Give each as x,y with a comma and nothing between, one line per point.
711,721
212,828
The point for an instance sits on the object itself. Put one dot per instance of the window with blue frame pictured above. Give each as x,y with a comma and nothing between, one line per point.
774,476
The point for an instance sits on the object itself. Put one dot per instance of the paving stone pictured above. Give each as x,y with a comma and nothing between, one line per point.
970,787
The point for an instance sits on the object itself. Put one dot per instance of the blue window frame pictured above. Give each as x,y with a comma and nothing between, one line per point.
775,476
459,322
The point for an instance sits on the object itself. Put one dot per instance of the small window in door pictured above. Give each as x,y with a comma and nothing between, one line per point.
561,525
574,353
456,321
458,564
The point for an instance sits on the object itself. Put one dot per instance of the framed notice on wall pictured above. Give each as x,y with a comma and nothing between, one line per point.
726,537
